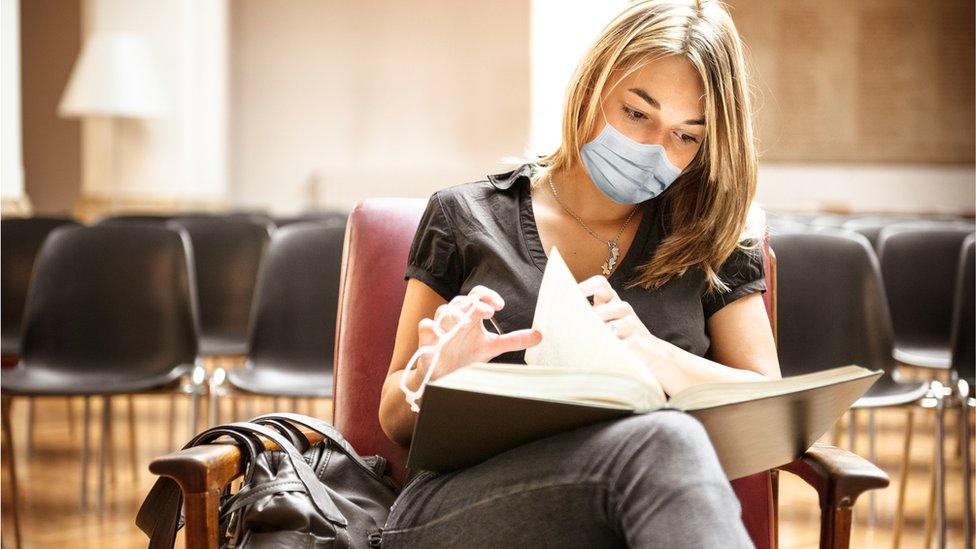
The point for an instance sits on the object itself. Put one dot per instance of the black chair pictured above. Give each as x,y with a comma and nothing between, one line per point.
20,239
963,366
833,312
134,219
871,225
293,329
227,253
918,264
332,218
110,312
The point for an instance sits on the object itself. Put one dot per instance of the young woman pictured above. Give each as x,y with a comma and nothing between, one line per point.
647,200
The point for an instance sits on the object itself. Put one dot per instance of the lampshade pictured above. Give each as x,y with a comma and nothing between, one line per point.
114,76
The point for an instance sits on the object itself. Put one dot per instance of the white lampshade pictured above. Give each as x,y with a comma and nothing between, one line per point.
114,76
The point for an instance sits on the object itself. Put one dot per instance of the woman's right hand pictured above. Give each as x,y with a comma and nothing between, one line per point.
472,342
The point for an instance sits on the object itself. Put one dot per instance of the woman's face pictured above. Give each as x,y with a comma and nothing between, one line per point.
661,103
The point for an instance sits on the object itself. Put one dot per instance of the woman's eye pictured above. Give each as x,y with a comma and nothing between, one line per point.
688,139
632,114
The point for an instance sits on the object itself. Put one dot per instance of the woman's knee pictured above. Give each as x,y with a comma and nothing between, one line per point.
669,437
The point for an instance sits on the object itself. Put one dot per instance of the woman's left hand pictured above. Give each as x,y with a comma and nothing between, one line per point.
624,322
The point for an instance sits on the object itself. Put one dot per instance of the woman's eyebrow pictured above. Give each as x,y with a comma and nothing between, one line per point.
653,102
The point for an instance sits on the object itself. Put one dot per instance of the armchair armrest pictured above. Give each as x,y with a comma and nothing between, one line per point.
202,472
839,477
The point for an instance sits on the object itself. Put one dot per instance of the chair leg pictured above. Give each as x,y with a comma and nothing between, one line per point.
133,446
85,438
70,405
172,423
235,407
112,449
8,442
194,411
872,456
106,428
31,422
967,475
214,418
940,472
903,484
852,431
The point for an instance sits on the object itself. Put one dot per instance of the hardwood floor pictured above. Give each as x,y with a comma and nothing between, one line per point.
50,477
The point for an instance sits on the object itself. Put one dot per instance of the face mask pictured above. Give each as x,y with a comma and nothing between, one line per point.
627,171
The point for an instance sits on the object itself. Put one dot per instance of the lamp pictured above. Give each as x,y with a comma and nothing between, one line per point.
114,78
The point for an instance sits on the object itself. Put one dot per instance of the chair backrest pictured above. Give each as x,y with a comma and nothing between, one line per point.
20,240
963,321
134,219
294,311
332,218
372,287
111,299
227,254
871,225
831,293
918,265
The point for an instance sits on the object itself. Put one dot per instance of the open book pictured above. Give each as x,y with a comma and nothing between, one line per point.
581,373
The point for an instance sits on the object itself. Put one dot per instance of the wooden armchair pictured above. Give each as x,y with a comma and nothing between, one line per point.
378,237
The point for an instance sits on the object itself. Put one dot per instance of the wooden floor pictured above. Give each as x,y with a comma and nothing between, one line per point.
50,477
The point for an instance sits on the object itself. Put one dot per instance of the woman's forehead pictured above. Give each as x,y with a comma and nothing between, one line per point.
671,81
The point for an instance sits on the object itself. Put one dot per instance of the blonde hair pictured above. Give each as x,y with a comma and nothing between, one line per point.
705,210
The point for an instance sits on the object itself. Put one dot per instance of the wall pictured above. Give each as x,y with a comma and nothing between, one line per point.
11,150
373,98
51,41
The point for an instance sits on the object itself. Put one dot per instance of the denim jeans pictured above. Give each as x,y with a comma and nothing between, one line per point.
648,480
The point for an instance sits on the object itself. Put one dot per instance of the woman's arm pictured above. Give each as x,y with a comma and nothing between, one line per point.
423,308
396,418
742,341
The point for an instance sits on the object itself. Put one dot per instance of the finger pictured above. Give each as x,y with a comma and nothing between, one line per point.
425,332
515,341
487,295
613,310
622,328
448,317
598,287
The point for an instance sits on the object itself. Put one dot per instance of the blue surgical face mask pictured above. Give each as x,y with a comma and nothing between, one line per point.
627,171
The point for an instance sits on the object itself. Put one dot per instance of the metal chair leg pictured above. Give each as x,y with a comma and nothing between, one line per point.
903,484
106,414
872,456
133,442
8,441
70,405
85,438
31,421
172,423
940,471
967,475
852,431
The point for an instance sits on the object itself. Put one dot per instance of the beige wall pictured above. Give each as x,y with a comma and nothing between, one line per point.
373,97
50,42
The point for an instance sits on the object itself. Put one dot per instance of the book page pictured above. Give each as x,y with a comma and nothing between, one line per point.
709,395
574,337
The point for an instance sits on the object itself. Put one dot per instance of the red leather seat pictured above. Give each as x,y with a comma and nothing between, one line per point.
378,237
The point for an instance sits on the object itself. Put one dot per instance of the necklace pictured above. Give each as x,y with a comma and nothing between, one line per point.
612,244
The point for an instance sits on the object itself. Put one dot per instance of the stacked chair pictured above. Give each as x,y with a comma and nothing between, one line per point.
371,294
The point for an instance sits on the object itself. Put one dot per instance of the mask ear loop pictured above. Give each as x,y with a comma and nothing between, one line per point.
433,351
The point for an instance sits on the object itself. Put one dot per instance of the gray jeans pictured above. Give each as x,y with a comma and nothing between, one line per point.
649,480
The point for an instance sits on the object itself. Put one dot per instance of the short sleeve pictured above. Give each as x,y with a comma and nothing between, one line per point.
743,273
434,258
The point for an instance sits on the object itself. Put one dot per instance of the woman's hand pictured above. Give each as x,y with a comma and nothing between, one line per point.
624,322
472,342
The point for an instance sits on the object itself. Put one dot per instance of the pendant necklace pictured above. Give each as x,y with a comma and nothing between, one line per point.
612,244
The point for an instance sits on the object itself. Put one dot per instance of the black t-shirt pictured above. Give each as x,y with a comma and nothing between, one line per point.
484,233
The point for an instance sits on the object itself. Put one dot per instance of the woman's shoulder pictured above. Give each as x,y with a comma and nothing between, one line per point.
484,191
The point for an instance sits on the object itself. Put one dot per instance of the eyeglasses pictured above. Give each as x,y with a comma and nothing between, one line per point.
462,312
